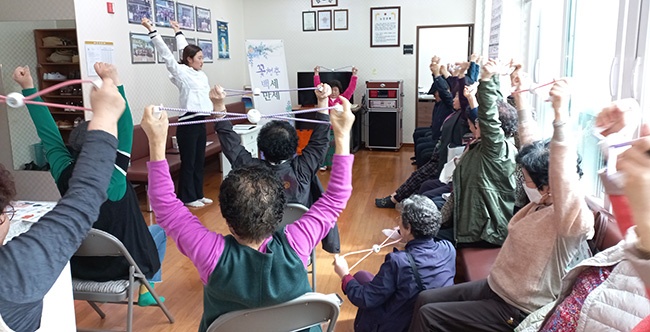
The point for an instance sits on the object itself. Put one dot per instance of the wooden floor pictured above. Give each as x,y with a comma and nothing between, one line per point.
376,174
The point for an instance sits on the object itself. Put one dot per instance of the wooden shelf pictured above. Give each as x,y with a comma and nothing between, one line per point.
63,97
67,113
58,63
73,47
65,68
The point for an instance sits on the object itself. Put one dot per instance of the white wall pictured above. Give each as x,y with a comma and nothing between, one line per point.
149,83
333,49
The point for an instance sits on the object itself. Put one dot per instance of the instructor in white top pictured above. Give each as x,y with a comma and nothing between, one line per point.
193,86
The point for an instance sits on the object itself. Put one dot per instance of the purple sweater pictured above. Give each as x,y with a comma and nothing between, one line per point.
204,247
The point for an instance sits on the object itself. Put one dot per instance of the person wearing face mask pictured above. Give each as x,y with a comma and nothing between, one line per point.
334,100
544,241
194,90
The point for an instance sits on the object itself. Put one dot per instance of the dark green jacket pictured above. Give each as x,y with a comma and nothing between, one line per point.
245,278
484,182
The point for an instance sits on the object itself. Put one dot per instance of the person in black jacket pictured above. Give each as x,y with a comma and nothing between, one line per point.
278,141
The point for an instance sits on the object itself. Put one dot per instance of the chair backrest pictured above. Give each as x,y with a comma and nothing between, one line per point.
606,232
292,212
303,312
99,243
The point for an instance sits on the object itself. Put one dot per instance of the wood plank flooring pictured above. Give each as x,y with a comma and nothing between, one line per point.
376,173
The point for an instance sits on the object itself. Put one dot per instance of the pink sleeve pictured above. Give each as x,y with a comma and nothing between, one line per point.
202,246
351,87
316,80
304,234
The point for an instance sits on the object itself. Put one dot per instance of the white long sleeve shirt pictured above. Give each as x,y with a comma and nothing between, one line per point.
193,85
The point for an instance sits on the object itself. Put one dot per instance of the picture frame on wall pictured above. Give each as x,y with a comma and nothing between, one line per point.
324,3
206,48
384,26
341,19
165,11
309,21
324,20
186,16
137,10
170,41
142,49
191,41
203,20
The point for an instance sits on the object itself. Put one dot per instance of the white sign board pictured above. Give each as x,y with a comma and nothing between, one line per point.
267,68
98,51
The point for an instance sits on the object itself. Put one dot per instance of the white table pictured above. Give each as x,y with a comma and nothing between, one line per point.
58,303
248,136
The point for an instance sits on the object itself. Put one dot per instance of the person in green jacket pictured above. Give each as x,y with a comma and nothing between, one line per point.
484,181
120,214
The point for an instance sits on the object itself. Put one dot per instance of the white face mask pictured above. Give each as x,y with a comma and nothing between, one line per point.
533,194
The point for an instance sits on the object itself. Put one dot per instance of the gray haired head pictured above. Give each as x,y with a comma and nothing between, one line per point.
77,138
421,215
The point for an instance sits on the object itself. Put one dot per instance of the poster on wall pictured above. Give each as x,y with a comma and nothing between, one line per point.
137,10
206,47
98,51
222,40
142,50
495,29
267,68
384,26
203,20
171,44
165,12
185,16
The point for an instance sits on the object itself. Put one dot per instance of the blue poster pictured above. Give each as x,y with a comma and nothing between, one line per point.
222,40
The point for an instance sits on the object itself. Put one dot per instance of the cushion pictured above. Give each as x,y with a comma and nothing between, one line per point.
113,286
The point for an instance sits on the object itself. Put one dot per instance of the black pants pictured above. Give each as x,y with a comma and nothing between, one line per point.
470,306
191,145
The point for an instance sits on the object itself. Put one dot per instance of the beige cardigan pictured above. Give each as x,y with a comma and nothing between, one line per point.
544,242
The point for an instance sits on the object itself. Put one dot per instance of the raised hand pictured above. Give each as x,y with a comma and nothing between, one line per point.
617,116
516,76
342,121
354,71
175,26
23,77
474,58
107,70
323,92
635,164
470,90
217,94
317,70
489,69
147,24
560,94
107,107
435,66
156,130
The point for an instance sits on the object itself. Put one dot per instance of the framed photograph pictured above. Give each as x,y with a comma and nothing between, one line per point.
203,20
206,47
341,19
185,16
324,3
142,50
308,21
138,9
222,40
171,43
384,26
165,12
324,20
191,41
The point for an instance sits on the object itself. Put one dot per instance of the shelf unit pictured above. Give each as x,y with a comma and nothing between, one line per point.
383,120
65,119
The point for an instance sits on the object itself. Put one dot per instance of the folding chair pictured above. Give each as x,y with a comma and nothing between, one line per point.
293,212
98,244
308,310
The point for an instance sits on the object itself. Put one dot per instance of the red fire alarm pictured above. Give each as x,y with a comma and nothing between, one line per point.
109,8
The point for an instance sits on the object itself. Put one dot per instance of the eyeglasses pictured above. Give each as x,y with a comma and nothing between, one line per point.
9,212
